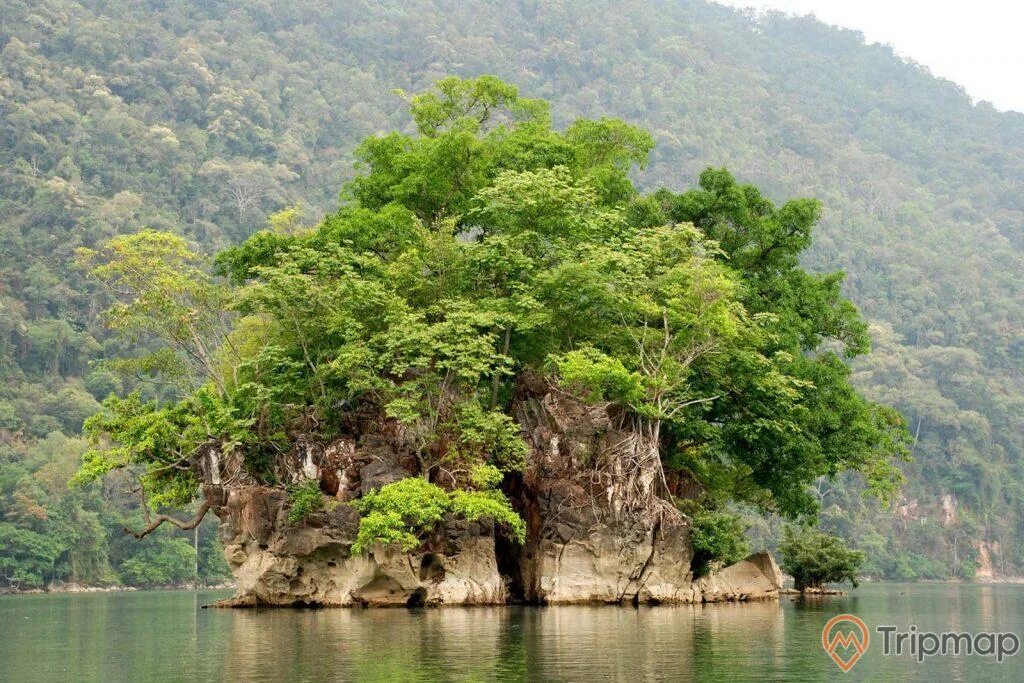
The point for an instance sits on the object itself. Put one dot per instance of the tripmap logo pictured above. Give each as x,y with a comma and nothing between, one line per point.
845,639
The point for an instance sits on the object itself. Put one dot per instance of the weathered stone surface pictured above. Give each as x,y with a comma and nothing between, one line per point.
755,578
278,563
599,530
611,564
766,563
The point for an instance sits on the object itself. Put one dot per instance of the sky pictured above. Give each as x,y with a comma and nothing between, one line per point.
977,43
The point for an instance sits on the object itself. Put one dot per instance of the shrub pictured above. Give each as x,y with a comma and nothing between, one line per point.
718,538
8,416
402,512
304,499
493,505
814,558
495,432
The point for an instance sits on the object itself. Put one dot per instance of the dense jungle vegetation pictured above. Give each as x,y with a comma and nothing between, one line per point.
206,120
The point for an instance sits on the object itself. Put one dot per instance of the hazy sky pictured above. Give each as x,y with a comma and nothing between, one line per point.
976,43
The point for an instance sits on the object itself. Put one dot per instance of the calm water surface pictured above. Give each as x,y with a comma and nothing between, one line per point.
165,636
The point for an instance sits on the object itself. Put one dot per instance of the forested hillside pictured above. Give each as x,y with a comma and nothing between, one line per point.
205,119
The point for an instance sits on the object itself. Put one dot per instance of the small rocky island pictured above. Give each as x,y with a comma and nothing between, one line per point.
497,373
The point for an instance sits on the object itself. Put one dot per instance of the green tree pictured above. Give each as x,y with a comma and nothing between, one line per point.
814,558
162,292
163,561
718,539
485,246
405,512
807,324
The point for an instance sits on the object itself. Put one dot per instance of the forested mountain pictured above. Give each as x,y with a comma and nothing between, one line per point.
206,118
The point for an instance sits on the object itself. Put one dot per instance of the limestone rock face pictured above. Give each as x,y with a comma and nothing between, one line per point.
755,578
598,531
609,564
279,563
599,528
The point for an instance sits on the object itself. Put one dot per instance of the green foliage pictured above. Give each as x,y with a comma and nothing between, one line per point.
164,561
161,291
53,533
489,505
814,558
485,477
804,320
919,189
129,432
470,105
598,377
398,513
496,434
28,557
502,264
101,383
718,538
304,499
404,512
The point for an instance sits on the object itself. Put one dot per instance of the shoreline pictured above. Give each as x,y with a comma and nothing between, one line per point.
78,588
999,580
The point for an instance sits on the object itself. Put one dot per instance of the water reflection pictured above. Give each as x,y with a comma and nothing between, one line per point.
564,643
166,637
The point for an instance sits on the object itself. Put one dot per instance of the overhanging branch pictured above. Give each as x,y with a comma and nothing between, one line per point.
152,523
155,522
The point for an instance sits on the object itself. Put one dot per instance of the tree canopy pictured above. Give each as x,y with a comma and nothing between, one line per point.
484,246
814,558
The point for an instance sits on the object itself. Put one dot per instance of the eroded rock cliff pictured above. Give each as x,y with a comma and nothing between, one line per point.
598,530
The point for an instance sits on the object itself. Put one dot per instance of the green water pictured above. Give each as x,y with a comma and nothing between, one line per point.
165,636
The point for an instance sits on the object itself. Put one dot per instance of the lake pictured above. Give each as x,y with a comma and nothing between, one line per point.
165,636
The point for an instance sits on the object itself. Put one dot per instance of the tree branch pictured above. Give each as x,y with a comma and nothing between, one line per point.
160,519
